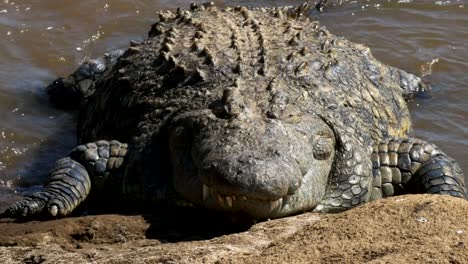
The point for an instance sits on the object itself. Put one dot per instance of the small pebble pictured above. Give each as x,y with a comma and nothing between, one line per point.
422,220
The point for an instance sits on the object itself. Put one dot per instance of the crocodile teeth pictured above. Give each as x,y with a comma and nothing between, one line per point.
280,203
229,201
276,204
220,200
273,205
206,192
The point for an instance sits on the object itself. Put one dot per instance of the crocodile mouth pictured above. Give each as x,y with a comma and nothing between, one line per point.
214,199
245,202
200,189
305,198
270,173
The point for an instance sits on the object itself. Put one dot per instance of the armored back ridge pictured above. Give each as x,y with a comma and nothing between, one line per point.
246,111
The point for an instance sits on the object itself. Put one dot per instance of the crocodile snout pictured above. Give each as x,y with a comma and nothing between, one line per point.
251,176
263,167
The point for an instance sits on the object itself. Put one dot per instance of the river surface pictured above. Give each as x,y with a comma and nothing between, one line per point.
40,40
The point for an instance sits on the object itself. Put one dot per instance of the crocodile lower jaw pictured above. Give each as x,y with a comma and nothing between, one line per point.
213,198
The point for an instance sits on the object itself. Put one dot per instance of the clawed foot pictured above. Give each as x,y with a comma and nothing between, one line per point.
412,85
68,186
320,5
24,208
38,204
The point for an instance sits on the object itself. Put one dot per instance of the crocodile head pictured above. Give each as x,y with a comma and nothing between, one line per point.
262,165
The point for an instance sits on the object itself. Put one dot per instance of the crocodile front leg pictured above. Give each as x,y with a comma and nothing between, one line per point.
414,166
69,183
398,166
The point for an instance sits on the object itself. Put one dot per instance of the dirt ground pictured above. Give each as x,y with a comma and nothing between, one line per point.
404,229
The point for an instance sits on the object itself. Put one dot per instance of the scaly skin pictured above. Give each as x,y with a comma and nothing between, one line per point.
68,93
250,111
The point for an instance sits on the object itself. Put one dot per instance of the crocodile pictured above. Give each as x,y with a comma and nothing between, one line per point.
255,111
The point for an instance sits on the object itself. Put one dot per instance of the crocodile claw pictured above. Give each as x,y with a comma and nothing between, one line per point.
320,5
68,186
29,206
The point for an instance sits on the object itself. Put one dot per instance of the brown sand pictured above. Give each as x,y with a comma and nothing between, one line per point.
404,229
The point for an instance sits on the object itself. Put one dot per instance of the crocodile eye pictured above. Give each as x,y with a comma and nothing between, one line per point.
323,146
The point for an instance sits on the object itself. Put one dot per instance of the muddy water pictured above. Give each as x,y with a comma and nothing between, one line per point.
40,40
